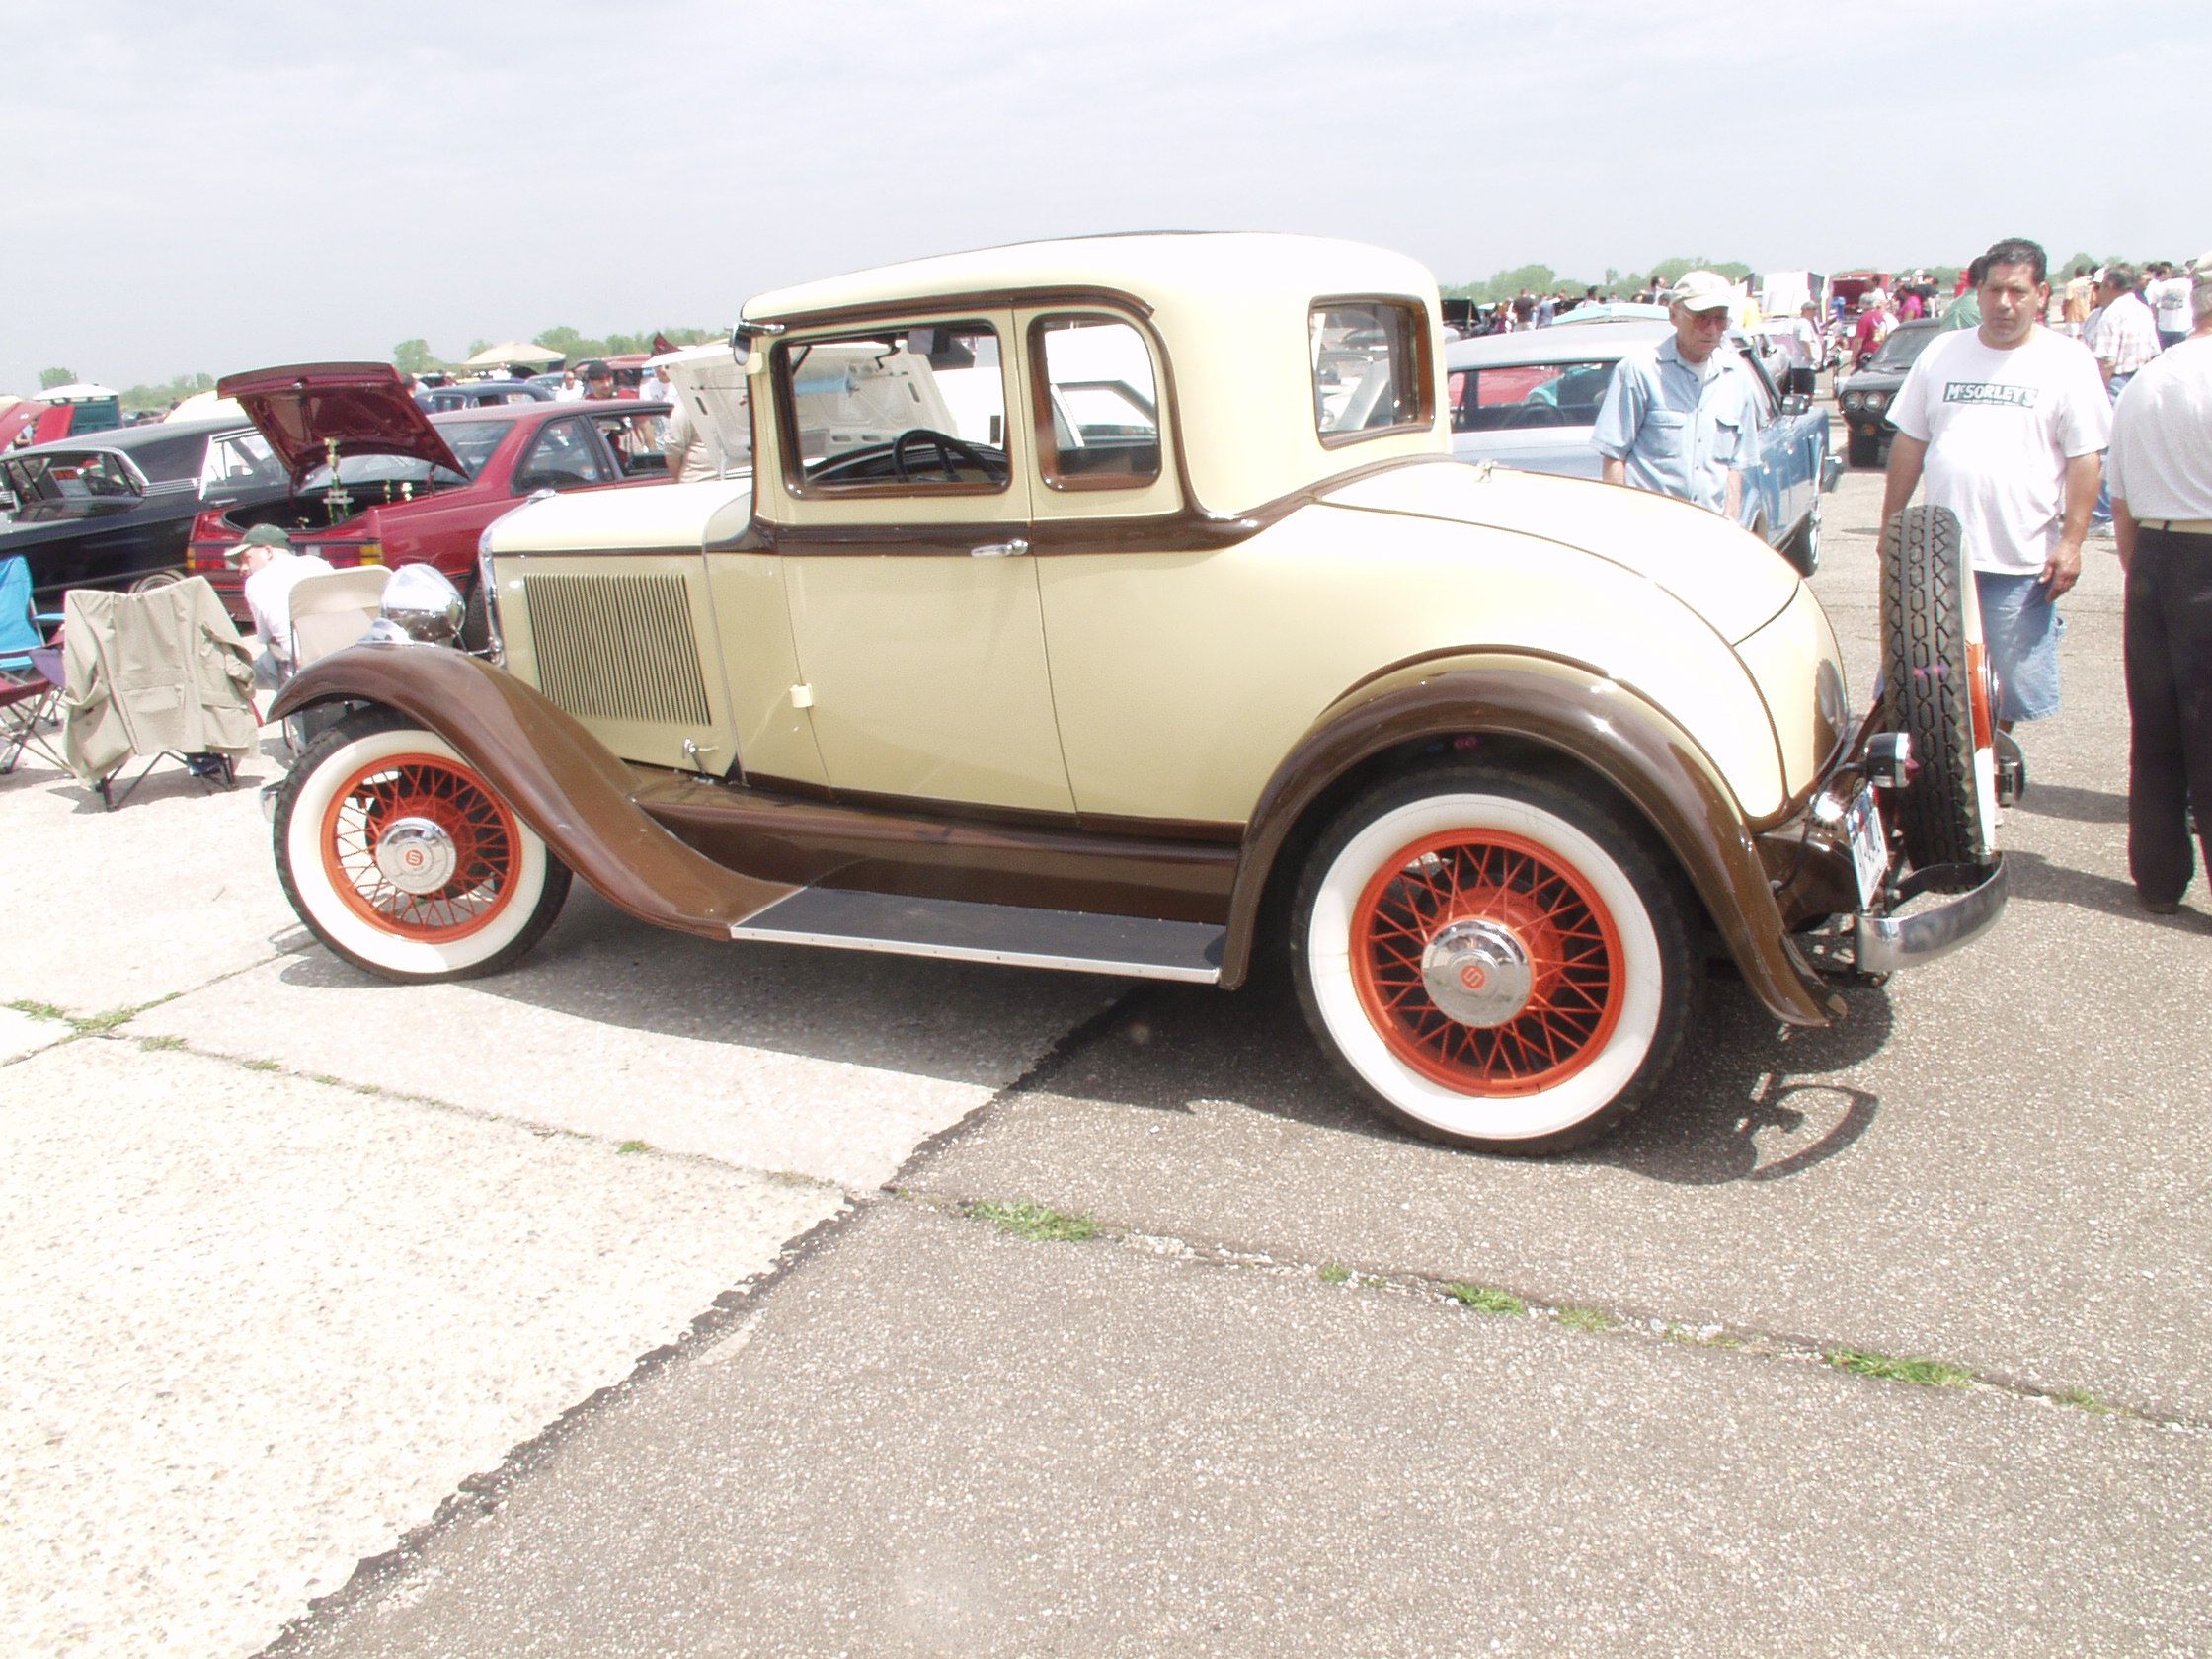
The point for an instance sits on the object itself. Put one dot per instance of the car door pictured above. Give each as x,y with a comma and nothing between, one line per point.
901,515
1768,489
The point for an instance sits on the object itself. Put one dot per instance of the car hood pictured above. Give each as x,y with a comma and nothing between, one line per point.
1873,380
361,406
1719,570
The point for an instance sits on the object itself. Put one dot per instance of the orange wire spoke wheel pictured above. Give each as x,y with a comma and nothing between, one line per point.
416,845
1487,962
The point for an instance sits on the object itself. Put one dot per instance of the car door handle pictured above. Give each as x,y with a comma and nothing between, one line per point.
1014,549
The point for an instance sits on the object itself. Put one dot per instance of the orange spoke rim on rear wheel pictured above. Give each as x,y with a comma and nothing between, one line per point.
1561,926
487,847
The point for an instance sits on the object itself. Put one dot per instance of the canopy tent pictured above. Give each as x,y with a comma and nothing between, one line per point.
207,406
77,391
513,352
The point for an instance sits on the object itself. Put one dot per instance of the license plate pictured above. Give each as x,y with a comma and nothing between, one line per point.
1869,847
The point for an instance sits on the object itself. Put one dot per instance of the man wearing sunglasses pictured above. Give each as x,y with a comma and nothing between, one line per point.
1679,416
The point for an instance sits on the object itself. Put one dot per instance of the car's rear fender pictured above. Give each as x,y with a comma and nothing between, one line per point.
544,764
1572,714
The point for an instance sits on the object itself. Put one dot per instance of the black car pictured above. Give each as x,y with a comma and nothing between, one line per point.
1865,397
111,509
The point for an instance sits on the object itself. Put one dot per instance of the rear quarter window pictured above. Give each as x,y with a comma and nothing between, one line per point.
1372,372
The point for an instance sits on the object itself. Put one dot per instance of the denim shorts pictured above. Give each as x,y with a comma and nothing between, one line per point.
2021,628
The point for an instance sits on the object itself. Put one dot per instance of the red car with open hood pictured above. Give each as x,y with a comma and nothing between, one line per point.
374,480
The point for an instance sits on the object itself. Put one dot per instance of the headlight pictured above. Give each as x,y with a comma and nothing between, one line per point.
1877,400
419,605
1854,400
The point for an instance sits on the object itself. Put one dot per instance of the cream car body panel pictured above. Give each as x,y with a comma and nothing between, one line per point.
1183,679
1725,574
673,515
1810,712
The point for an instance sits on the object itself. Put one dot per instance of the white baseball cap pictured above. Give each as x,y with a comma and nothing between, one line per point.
1702,290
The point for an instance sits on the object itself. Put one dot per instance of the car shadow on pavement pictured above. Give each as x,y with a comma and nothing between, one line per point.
1747,1100
2084,806
899,1014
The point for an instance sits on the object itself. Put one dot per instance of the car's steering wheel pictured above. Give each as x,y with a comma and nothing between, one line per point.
950,453
1541,415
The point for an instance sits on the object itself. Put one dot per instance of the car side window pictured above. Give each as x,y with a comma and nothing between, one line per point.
1094,380
1371,368
902,410
567,455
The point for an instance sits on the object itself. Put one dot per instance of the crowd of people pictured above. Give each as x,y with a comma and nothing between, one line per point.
2037,430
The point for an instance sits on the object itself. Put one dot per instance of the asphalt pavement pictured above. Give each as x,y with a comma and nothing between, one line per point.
660,1298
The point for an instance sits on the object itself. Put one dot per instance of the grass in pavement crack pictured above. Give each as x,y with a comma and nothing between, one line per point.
1038,1223
1928,1374
1485,1300
40,1010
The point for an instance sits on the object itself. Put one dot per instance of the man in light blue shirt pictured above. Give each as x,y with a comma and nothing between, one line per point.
1679,417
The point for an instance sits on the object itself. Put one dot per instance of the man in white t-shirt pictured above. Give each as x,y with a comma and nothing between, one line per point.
2168,297
2161,506
273,570
2006,422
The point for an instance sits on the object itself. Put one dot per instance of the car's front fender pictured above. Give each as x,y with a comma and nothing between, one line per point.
545,766
1589,721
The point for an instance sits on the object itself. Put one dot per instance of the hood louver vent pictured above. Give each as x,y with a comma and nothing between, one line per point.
617,647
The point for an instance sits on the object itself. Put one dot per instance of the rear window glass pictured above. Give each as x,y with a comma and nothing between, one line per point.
1370,367
1561,394
472,442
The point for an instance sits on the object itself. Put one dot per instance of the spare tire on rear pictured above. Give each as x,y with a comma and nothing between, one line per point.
1938,688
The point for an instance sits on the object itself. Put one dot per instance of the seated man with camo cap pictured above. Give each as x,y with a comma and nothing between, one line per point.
1679,416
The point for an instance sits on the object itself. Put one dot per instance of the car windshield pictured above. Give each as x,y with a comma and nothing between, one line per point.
1510,397
1902,346
472,442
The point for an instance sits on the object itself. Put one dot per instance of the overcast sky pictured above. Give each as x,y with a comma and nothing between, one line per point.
232,183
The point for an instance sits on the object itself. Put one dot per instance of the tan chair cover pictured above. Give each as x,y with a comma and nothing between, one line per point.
144,673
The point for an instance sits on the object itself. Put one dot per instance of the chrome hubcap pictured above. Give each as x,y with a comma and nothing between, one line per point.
1478,972
416,855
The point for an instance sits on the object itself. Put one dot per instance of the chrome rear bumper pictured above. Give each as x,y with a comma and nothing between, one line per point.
1884,944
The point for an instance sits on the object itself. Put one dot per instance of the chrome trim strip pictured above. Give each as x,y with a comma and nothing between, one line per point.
1884,944
970,953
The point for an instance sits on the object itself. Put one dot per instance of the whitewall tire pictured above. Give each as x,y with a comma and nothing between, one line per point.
401,858
1496,960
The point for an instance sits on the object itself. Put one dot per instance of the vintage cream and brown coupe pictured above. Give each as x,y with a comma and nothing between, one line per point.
1116,604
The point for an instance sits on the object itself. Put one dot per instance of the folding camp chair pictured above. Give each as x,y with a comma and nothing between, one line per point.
160,676
328,614
30,678
331,612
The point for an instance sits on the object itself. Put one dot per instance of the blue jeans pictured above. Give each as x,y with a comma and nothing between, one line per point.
2101,513
2020,630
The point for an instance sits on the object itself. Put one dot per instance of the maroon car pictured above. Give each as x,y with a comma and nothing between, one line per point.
377,481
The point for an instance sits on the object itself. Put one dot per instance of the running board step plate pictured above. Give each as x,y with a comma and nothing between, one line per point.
965,931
